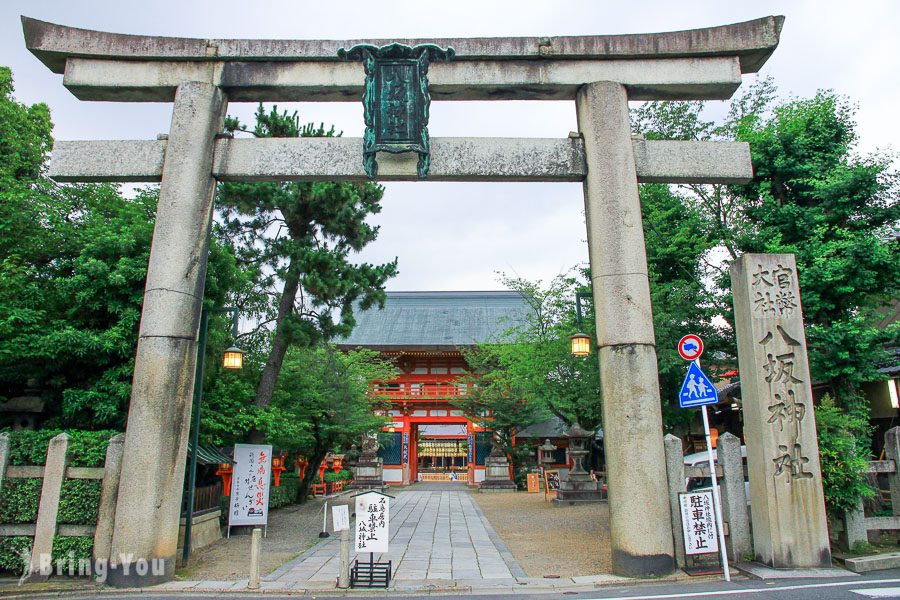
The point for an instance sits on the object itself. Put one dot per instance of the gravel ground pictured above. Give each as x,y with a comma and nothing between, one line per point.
550,540
292,530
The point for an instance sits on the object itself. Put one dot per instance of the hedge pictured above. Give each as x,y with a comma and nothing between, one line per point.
80,548
19,500
286,493
86,448
10,553
331,476
79,500
342,475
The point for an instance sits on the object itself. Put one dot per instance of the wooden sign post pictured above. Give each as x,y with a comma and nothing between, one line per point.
551,484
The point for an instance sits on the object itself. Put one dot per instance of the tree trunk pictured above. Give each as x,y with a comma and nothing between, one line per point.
269,378
311,471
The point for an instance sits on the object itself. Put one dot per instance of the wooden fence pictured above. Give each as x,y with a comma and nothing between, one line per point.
462,476
856,524
54,472
730,470
207,497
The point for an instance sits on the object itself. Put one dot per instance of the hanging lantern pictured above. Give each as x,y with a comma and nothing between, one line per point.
234,358
581,344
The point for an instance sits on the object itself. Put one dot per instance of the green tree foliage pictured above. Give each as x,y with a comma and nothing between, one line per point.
299,237
535,376
677,241
813,196
836,210
844,464
321,403
529,374
73,260
70,299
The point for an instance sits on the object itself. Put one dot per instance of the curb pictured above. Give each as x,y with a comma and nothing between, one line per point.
521,585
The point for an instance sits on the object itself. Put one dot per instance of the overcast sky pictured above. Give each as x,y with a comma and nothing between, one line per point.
456,236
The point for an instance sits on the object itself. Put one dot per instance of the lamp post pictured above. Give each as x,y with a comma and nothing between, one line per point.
581,342
233,359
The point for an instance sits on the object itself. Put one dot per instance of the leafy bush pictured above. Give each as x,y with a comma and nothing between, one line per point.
286,493
86,448
861,547
842,437
19,500
79,498
342,475
74,549
11,549
79,502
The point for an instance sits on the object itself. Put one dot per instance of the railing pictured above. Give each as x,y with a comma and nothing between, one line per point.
207,497
332,487
54,472
419,389
856,525
462,476
730,469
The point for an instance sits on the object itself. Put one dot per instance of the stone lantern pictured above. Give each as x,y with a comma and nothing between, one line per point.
547,449
577,486
496,470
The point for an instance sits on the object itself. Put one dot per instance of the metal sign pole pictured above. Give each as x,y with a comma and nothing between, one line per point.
717,504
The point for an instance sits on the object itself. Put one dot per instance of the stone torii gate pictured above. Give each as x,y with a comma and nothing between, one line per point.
601,73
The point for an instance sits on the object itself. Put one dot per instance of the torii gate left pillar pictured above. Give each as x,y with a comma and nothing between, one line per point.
149,503
600,72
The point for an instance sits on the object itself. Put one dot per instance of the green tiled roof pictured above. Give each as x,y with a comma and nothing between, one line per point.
437,320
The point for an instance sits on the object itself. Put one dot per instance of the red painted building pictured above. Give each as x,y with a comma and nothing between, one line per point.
423,333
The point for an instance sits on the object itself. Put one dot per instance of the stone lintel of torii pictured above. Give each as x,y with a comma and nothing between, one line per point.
696,64
452,159
600,73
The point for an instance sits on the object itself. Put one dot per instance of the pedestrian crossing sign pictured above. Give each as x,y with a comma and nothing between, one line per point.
697,389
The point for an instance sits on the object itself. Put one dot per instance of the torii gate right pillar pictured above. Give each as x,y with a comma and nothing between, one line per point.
639,516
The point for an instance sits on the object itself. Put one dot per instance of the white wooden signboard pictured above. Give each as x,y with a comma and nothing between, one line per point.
340,517
698,522
372,517
250,485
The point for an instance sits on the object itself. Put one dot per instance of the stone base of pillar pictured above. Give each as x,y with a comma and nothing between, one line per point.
578,490
496,476
141,573
368,474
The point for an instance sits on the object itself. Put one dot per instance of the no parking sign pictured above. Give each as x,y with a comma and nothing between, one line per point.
690,347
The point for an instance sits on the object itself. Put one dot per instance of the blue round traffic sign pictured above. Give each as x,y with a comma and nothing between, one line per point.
690,347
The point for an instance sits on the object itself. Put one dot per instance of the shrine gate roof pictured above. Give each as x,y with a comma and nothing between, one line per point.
437,321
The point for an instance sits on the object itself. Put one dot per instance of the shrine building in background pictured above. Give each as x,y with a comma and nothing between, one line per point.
423,333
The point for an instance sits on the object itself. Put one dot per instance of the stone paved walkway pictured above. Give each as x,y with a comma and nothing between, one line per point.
435,535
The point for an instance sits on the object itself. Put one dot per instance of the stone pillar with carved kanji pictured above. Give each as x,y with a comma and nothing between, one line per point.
787,504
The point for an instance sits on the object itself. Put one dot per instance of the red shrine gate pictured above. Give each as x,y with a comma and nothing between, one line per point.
423,333
433,440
